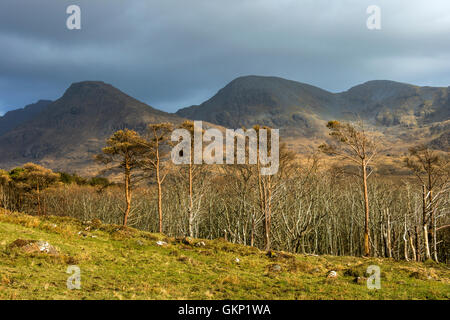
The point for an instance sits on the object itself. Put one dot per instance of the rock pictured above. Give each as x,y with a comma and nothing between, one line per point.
419,275
161,243
200,244
34,246
332,274
353,272
19,243
188,240
237,260
360,280
83,234
275,268
311,255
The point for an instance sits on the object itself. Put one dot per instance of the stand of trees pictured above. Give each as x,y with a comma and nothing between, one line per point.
309,208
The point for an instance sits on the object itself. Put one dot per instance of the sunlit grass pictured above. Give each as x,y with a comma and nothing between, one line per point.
119,263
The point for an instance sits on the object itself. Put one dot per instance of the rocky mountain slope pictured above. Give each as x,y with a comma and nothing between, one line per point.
68,132
270,101
301,110
65,134
14,118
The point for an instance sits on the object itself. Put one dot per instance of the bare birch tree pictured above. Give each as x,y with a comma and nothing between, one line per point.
358,146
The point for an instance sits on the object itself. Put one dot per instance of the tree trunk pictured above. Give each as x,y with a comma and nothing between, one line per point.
411,243
405,242
263,206
435,253
252,235
158,180
191,203
418,255
268,210
366,208
389,241
425,225
127,193
38,199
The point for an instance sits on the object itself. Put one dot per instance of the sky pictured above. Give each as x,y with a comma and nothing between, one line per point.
175,53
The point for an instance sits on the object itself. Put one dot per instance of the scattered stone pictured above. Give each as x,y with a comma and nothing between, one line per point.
188,241
419,275
353,272
237,260
360,280
34,246
161,243
19,243
275,268
332,274
200,244
83,234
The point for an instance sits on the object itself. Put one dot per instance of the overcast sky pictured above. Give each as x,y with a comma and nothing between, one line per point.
175,53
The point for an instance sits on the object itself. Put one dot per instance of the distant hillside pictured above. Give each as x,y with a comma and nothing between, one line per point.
68,132
270,101
14,118
302,110
390,103
442,142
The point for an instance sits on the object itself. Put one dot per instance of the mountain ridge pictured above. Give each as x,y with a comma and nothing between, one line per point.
69,131
66,133
384,102
13,118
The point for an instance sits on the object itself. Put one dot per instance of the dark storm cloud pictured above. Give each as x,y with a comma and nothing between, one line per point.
173,53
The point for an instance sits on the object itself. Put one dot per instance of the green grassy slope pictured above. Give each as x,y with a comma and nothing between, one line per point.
119,263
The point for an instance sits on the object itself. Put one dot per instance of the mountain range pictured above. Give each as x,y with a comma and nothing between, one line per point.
66,133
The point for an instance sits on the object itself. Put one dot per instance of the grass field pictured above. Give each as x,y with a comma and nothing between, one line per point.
119,263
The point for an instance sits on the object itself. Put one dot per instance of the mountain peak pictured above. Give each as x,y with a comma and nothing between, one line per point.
69,131
91,87
270,101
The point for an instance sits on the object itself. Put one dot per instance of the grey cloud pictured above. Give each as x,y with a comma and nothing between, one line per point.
173,53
